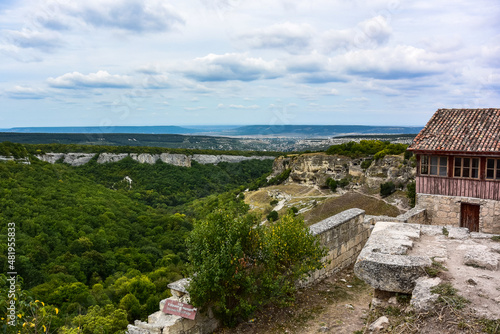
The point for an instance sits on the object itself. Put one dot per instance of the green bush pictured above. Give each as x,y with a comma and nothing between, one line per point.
332,184
272,216
411,193
241,265
279,179
366,164
387,188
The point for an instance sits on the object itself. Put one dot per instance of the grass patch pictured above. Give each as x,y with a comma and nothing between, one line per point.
490,326
445,231
448,296
435,269
496,238
332,206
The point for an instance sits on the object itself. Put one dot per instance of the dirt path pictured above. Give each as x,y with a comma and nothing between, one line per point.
338,304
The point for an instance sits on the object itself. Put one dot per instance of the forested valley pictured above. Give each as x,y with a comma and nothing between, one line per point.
96,245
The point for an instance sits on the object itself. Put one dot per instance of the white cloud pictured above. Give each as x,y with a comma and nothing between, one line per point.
26,93
230,66
391,63
294,38
130,15
101,79
367,34
26,38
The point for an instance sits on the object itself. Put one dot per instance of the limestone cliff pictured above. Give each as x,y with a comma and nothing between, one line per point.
316,168
78,159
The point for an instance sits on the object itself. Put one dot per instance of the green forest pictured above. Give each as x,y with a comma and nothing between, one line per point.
93,248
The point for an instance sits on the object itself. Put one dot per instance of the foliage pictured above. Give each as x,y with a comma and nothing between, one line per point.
366,164
241,264
279,179
272,216
435,269
98,320
332,184
344,182
411,193
85,245
387,188
13,150
376,148
496,238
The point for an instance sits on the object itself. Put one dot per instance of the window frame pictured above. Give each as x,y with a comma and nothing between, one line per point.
495,169
426,162
470,167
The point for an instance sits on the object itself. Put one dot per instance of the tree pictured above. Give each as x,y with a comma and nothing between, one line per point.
411,193
387,188
272,216
241,265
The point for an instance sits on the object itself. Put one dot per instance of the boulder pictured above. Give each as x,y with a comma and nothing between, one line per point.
383,262
422,299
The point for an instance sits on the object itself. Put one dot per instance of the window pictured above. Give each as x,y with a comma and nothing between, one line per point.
467,167
493,169
433,165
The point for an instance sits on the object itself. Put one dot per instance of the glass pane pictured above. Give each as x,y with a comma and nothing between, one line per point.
442,171
425,159
475,162
457,172
434,161
458,162
465,172
489,174
434,170
424,170
491,163
443,161
498,174
466,162
474,173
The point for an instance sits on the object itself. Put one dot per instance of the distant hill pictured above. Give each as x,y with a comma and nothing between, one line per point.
312,131
306,131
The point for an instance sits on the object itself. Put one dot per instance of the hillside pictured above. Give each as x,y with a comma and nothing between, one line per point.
105,238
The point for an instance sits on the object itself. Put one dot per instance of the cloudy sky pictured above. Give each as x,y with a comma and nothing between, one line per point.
195,62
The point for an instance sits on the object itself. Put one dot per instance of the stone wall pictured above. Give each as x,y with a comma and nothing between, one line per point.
416,215
344,235
445,210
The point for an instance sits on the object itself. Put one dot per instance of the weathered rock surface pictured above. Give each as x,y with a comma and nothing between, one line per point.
422,299
379,324
176,159
383,262
110,157
50,157
78,159
10,158
481,257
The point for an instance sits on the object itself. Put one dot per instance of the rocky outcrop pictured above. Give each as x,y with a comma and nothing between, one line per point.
389,168
316,168
110,157
78,159
384,264
10,158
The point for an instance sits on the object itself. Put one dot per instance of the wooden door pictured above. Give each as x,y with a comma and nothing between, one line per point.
469,217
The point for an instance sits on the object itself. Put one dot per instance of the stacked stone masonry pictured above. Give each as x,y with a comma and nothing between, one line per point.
445,210
344,235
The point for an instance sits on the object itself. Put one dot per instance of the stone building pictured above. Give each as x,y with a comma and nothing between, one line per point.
458,168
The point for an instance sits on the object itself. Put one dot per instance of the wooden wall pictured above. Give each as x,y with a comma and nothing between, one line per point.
458,187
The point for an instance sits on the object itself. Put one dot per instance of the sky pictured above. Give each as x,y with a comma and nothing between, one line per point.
234,62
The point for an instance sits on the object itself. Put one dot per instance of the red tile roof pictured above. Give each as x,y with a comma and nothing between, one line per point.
460,130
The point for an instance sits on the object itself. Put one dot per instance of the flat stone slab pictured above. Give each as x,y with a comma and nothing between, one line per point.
481,258
384,264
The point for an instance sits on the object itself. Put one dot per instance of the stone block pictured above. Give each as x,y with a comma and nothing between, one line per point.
422,299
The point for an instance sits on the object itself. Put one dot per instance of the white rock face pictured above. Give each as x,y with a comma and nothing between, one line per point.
176,159
145,158
78,159
110,157
50,157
